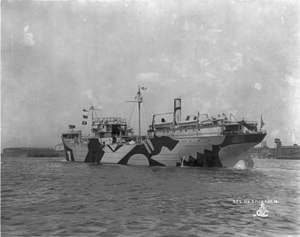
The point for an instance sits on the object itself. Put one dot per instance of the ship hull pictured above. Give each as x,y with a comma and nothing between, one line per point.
212,151
75,151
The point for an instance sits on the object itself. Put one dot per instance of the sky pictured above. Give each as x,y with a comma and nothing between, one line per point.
230,56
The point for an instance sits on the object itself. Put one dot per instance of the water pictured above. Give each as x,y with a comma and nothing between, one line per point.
51,197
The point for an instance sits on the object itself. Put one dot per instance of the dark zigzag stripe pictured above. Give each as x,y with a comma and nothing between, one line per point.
211,158
66,152
158,143
114,150
139,149
208,159
243,138
95,152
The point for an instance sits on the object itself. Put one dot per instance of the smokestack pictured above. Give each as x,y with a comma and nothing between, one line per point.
177,110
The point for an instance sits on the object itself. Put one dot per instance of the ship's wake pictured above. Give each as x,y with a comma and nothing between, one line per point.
245,163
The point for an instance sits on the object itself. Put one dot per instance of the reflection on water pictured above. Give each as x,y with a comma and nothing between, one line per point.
48,196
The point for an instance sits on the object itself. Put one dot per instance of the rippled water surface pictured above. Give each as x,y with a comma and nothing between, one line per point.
51,197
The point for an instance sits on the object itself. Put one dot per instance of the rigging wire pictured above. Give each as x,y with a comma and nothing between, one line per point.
133,109
145,122
150,109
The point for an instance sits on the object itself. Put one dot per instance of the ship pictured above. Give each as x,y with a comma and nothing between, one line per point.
196,142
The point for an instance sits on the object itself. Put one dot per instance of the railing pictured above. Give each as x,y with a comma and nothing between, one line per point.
109,120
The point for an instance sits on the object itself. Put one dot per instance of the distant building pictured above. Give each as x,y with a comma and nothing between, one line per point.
279,152
286,152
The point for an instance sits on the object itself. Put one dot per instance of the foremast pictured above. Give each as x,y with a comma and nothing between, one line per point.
139,100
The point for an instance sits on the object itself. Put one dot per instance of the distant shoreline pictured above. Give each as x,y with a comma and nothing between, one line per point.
31,152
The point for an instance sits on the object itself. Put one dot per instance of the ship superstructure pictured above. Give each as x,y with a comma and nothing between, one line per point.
109,130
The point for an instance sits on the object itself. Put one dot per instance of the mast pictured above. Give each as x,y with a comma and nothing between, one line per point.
92,108
91,111
139,101
139,98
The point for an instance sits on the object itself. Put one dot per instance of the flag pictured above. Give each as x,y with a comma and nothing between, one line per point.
85,110
85,116
261,122
84,122
71,126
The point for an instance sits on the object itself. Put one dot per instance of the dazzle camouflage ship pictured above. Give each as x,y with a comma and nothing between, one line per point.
174,142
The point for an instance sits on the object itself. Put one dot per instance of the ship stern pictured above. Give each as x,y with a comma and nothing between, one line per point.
234,148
